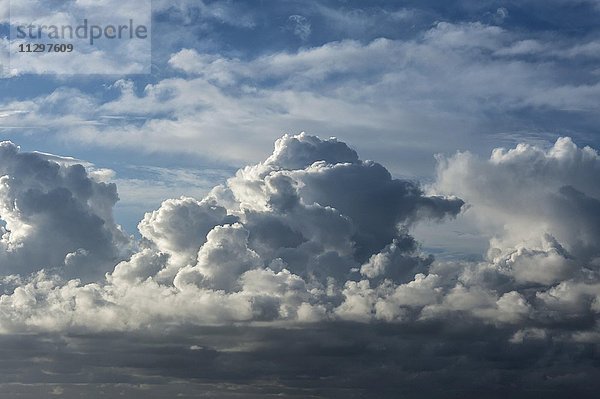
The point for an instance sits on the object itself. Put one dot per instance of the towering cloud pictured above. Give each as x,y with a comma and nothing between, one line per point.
542,207
315,238
283,239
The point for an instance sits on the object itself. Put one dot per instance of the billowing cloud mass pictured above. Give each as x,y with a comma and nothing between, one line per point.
294,238
314,238
55,216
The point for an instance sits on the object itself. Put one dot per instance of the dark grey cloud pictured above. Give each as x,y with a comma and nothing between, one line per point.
333,361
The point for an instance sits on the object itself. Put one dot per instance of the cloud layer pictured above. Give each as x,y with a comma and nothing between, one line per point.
436,87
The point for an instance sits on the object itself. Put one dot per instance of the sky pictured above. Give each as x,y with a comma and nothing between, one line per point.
302,199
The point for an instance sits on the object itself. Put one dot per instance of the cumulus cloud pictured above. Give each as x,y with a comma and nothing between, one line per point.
279,240
545,197
56,216
179,227
539,206
311,233
315,237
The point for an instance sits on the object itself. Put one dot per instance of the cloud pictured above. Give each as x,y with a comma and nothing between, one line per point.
539,207
302,275
276,241
547,196
179,227
315,233
300,26
222,12
314,242
103,56
55,215
441,79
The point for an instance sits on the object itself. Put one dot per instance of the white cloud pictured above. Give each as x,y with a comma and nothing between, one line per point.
443,80
531,195
54,215
293,243
300,26
119,55
179,227
313,234
277,241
